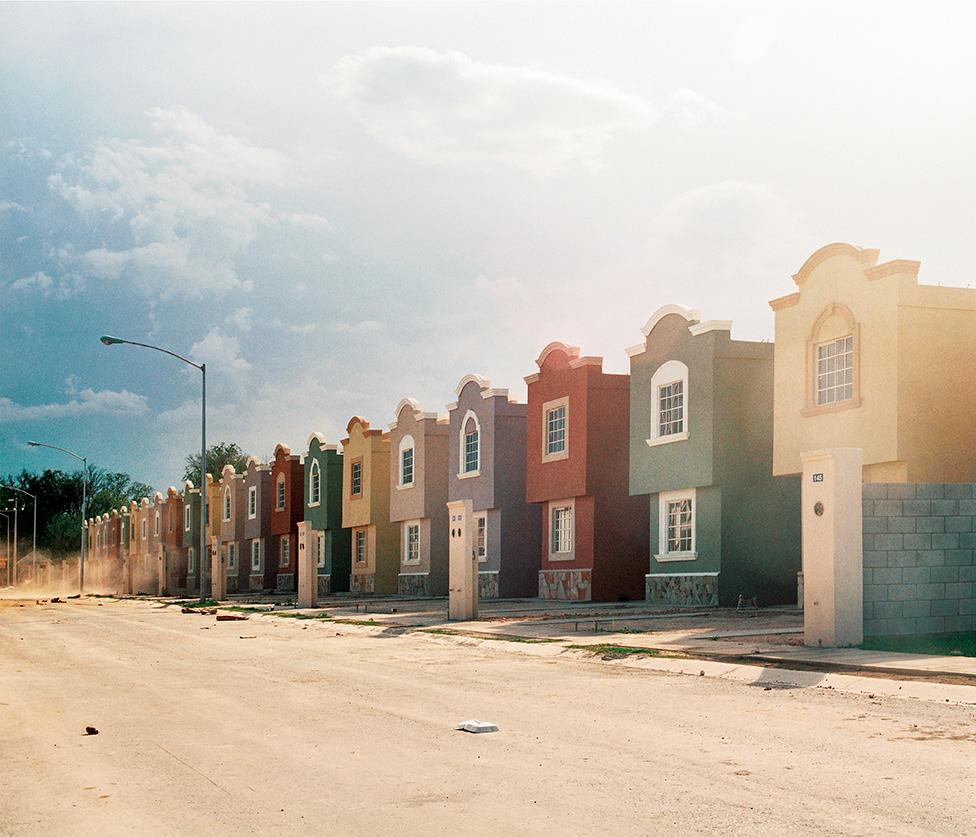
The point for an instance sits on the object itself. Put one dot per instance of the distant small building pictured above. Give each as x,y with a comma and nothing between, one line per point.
701,445
594,534
486,464
329,541
287,509
366,509
418,498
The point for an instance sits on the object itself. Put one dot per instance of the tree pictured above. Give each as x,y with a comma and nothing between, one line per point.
219,455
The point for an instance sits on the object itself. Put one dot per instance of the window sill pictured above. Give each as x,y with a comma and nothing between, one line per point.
315,505
555,457
249,517
406,485
561,556
666,440
464,475
676,556
839,406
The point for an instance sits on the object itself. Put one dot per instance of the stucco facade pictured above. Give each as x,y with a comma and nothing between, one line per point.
232,514
867,357
287,509
174,553
701,442
418,498
190,528
506,530
375,554
594,534
329,542
263,572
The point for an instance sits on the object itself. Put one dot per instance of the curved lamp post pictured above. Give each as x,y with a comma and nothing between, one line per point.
84,503
34,537
113,341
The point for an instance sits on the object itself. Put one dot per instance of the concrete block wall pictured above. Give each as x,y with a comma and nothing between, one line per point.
919,567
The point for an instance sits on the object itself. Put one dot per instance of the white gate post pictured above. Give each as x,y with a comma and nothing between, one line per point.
463,563
308,582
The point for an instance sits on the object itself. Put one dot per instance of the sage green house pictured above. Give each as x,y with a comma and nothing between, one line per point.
701,447
329,542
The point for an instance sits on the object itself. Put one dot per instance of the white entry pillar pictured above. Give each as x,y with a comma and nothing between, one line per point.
833,575
218,574
463,563
308,571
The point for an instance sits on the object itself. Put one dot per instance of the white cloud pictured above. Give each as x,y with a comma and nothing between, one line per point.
439,107
240,319
12,206
367,326
83,402
185,197
752,40
222,354
309,219
692,110
40,282
305,328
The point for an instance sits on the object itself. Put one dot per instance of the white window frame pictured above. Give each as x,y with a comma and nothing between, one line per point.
820,393
144,528
668,373
284,549
319,550
547,408
227,505
664,500
156,525
256,553
353,492
281,493
360,535
314,484
569,553
190,569
462,447
232,557
252,502
407,444
407,527
481,532
187,519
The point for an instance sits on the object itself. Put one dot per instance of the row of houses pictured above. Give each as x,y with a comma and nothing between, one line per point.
677,483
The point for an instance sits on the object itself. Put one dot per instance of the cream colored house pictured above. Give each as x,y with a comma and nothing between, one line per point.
867,357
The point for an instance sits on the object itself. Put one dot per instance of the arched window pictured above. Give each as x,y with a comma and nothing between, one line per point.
470,446
832,361
314,484
669,403
228,503
280,493
156,524
406,476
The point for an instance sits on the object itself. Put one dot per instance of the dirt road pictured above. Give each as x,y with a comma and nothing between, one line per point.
320,728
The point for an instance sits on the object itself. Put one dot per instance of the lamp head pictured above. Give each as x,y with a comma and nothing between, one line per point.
110,341
32,444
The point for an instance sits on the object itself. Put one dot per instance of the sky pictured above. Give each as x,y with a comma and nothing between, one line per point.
338,206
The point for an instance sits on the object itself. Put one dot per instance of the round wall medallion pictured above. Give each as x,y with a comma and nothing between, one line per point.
818,508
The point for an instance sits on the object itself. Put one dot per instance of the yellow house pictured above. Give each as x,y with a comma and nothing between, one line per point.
867,357
366,509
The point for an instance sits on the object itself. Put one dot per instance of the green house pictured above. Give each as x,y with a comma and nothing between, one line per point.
701,446
329,542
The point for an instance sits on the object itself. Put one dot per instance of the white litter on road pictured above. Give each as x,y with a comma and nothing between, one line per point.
477,726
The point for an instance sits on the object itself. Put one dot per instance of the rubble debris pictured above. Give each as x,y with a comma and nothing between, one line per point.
206,611
249,636
475,725
75,596
57,600
91,731
231,617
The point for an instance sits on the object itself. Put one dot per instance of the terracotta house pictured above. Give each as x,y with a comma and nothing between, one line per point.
701,448
232,513
486,464
190,528
418,498
263,573
594,534
174,553
366,509
329,541
866,357
287,509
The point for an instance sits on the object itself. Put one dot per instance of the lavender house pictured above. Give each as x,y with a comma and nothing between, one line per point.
418,498
232,501
262,573
487,466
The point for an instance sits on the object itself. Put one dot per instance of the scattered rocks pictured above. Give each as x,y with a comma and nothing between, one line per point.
91,731
231,617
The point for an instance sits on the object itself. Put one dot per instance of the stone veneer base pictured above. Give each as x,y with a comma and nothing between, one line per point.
362,583
285,583
692,590
232,584
256,583
325,585
488,585
566,585
414,584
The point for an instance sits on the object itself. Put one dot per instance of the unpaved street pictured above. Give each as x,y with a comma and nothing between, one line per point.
335,729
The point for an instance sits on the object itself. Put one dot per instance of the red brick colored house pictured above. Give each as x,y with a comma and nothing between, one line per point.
287,511
594,534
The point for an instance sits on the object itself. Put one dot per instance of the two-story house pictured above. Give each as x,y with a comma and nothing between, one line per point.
486,464
329,542
232,515
594,534
190,527
258,498
701,445
287,509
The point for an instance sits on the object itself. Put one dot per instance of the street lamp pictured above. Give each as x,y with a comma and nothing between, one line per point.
34,537
84,503
113,341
